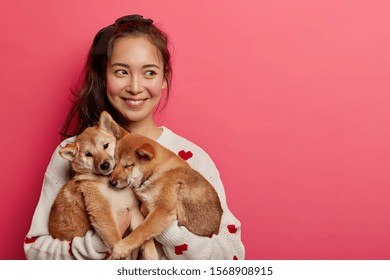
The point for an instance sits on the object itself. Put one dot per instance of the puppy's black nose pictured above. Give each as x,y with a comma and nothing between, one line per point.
105,165
113,183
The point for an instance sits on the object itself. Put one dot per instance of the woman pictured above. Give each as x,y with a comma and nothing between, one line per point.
127,72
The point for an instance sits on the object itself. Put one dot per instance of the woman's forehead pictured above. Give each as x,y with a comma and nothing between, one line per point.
135,50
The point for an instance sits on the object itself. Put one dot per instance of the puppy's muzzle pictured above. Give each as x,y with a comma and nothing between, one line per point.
105,166
113,183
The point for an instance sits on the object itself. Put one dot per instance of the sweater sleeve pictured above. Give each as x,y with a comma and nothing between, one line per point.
179,243
38,243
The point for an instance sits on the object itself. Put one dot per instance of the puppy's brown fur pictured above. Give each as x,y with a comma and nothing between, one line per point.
168,188
87,201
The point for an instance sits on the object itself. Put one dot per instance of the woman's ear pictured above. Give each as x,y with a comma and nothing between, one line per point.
164,84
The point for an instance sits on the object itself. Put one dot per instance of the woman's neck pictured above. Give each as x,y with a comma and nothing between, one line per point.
150,130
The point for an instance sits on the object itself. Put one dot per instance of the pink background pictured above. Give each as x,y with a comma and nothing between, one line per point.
289,97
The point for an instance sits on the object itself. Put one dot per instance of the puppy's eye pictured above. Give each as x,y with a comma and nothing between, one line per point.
88,154
105,146
129,165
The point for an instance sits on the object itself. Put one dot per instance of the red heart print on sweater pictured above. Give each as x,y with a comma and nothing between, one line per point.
185,155
29,240
232,228
180,249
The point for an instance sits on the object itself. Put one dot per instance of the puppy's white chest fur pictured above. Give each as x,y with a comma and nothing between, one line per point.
119,200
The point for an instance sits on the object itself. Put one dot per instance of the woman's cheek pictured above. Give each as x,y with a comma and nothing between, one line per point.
155,88
113,88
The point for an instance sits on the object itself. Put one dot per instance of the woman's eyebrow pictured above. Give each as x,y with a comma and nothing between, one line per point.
120,65
150,65
128,66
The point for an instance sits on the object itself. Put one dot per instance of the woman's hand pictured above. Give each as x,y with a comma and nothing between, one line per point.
124,221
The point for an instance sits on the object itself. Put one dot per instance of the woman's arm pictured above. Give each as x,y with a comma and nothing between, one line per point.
39,244
45,247
179,243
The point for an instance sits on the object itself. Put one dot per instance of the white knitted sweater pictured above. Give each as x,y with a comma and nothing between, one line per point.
178,243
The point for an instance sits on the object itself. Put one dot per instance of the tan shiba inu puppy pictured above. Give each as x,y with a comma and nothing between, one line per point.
87,201
168,188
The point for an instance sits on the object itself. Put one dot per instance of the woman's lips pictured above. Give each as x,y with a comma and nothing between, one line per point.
135,102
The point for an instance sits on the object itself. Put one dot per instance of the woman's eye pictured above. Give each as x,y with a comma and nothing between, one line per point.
105,146
88,154
150,73
120,72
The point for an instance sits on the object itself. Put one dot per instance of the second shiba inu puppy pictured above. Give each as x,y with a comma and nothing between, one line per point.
87,201
168,188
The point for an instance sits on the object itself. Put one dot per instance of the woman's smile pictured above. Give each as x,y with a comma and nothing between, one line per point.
135,103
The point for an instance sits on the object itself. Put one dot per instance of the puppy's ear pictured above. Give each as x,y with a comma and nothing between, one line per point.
122,132
146,151
107,124
69,151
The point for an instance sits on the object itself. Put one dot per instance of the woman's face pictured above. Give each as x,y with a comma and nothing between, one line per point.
135,78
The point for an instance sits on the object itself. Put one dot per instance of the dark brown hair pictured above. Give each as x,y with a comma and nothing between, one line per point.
90,99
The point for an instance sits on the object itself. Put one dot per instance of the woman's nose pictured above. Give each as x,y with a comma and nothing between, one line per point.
135,85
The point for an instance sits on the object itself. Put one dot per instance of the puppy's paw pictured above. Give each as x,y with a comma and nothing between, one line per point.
149,250
120,251
149,254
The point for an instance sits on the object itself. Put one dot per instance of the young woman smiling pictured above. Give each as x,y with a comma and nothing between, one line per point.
127,72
